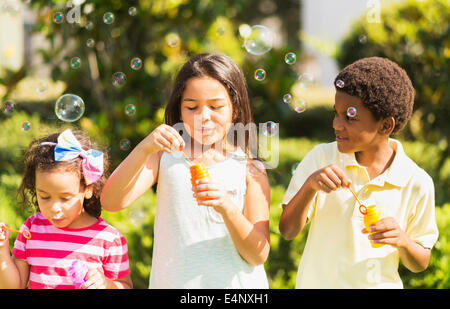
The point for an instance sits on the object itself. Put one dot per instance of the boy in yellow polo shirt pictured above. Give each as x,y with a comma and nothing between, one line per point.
374,99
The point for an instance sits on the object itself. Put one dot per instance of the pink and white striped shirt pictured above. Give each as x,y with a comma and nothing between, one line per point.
51,251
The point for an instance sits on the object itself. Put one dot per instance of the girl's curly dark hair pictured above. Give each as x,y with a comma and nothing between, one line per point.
42,158
382,85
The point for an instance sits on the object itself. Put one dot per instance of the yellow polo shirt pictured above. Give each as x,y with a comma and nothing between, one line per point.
337,254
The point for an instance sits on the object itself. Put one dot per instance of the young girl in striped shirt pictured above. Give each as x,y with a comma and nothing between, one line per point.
63,178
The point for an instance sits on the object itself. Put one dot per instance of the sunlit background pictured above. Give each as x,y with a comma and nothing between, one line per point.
107,66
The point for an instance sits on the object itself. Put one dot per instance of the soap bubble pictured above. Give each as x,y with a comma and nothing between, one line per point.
136,63
256,167
269,128
89,25
259,41
351,112
69,107
299,105
173,39
108,18
119,79
41,88
306,80
58,17
132,11
220,31
90,43
8,108
340,83
294,167
75,62
290,58
287,98
124,144
130,109
26,126
260,74
362,39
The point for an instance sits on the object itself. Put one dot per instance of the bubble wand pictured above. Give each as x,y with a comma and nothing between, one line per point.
362,208
25,233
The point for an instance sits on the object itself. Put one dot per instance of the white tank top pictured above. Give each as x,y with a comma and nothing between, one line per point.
192,246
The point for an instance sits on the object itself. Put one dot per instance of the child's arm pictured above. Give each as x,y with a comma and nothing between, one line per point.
138,172
413,255
13,272
294,216
249,229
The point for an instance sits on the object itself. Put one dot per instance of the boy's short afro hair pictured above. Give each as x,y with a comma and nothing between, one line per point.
383,87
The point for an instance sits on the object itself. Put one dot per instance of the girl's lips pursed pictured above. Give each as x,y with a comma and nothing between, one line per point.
339,138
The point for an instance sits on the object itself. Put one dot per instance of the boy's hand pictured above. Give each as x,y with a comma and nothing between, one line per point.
328,179
387,231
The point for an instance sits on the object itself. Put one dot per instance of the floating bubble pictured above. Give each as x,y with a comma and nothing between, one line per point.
75,62
8,107
362,39
299,105
136,63
90,43
220,30
173,40
259,41
119,79
260,74
41,88
294,167
132,11
269,128
256,167
58,17
26,126
89,25
306,80
130,109
351,112
108,18
124,144
137,216
290,58
340,83
287,98
69,107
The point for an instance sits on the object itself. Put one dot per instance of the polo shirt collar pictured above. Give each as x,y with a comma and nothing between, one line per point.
398,174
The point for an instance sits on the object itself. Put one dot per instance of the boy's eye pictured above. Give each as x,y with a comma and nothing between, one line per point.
216,107
44,197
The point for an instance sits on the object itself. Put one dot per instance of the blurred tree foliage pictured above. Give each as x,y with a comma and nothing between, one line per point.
416,35
163,34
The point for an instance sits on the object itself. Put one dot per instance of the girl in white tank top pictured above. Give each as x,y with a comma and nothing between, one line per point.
215,233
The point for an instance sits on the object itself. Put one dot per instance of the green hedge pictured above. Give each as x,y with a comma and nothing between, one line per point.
136,222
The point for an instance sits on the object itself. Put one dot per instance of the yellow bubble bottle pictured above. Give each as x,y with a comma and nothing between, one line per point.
371,215
198,171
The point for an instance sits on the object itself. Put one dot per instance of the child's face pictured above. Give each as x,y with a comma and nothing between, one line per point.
60,198
358,133
206,110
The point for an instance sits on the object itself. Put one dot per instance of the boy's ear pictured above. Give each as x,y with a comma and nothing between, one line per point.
388,126
88,191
